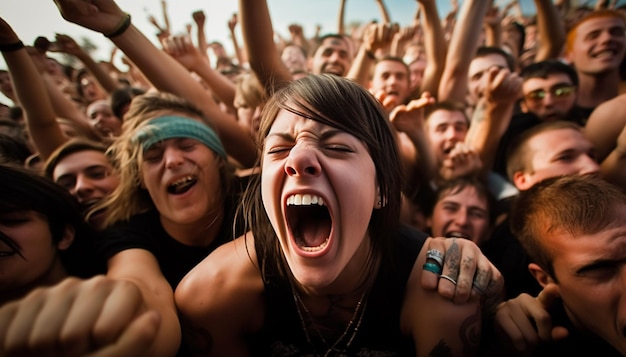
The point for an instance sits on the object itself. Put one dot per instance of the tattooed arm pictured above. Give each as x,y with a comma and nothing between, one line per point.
439,327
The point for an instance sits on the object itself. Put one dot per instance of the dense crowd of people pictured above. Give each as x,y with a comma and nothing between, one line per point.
450,187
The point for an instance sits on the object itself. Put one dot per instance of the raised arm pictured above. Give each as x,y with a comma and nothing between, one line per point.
383,11
604,125
550,30
31,91
463,46
181,49
163,71
435,46
493,114
375,37
258,38
232,25
199,18
341,26
68,45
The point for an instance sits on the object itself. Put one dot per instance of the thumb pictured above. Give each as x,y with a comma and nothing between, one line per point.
548,295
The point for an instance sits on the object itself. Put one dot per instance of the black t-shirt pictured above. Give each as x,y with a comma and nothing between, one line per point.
505,251
144,231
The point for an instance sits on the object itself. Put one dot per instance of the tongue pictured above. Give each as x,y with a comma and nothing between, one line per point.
314,231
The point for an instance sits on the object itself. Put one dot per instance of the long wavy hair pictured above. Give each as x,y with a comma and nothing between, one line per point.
130,197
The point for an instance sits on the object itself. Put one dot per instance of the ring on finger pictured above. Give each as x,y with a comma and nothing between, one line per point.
433,268
442,276
435,255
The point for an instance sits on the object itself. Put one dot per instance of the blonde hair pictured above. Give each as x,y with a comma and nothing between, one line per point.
126,153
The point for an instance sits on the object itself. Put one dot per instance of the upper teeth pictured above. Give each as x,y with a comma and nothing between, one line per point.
304,200
182,181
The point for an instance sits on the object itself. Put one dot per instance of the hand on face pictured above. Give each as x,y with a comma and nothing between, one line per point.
524,321
95,317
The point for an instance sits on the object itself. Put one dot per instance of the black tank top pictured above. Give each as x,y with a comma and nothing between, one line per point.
379,333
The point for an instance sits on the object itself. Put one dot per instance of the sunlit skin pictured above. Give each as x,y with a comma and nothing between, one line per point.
599,45
39,263
301,156
463,214
555,153
102,118
551,107
392,78
87,175
445,128
333,56
477,73
169,161
591,274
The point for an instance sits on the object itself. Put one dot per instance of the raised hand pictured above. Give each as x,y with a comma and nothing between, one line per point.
102,15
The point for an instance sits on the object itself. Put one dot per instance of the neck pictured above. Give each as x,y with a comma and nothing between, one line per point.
596,89
200,233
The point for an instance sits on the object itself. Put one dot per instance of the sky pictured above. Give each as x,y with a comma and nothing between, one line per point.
33,18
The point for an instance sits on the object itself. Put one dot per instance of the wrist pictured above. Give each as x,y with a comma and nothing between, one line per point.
120,28
370,54
11,47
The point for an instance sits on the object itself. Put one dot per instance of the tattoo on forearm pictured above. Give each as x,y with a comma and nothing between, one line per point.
470,333
441,350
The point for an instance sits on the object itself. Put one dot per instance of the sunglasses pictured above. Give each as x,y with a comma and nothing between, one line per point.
557,92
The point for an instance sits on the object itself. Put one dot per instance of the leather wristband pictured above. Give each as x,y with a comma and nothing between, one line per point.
10,47
121,28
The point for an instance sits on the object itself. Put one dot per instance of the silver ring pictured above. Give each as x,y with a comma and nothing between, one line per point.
435,255
447,278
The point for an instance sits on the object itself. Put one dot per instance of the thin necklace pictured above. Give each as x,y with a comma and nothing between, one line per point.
353,325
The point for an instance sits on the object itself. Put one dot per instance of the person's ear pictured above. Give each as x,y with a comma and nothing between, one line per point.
521,180
523,106
540,275
67,238
379,201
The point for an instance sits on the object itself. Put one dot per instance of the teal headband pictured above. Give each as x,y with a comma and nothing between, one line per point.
170,126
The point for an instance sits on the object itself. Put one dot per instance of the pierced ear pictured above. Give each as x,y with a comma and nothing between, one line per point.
67,239
540,275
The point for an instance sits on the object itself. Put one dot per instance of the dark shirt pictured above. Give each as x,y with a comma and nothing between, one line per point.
577,343
379,333
505,251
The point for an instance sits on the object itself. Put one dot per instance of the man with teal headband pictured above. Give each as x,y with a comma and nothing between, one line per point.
171,126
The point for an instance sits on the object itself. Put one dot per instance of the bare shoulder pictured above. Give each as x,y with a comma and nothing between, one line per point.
227,283
437,325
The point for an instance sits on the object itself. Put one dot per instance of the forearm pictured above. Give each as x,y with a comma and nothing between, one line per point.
341,18
383,12
256,26
100,74
435,45
613,168
221,86
550,30
489,123
360,69
31,91
463,45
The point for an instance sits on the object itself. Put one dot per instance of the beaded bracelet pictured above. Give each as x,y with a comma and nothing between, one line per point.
10,47
123,26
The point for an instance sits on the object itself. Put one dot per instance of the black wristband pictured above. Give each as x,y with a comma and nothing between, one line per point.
121,28
370,54
10,47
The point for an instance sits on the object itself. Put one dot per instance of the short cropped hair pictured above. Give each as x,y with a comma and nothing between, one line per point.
571,34
543,69
574,205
